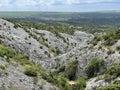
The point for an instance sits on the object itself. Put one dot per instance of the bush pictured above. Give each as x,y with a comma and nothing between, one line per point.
2,67
108,77
116,82
118,48
94,67
62,82
48,76
80,84
52,49
114,70
70,70
6,52
30,70
16,25
23,60
96,40
111,38
110,52
4,24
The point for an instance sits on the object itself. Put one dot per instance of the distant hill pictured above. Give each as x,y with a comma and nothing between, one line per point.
91,22
74,18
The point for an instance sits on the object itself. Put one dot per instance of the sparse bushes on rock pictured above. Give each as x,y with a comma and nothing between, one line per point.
113,71
111,38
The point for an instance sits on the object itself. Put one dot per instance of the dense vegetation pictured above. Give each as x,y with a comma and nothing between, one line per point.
67,22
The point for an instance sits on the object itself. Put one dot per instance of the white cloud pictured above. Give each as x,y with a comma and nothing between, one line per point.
25,2
48,2
5,2
87,1
72,1
33,2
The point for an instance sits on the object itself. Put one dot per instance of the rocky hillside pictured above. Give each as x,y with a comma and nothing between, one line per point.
32,59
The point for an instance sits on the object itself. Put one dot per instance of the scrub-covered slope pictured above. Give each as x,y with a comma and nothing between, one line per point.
42,60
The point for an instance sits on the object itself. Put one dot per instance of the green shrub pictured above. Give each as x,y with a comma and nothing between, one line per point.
48,76
80,84
23,60
116,82
2,67
111,37
52,49
96,40
113,70
70,70
62,82
94,67
108,77
30,70
118,48
4,24
16,25
110,52
6,52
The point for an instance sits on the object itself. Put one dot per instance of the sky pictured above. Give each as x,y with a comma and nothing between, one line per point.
59,5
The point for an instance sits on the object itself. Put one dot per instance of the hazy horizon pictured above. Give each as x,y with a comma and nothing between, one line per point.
60,5
68,11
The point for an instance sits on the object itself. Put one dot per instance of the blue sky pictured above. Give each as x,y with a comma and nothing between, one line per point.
59,5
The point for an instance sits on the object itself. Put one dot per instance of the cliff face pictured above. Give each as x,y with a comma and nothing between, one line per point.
42,46
52,52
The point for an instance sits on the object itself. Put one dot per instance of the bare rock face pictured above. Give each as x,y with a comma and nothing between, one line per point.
51,40
83,36
13,77
42,46
94,83
21,41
